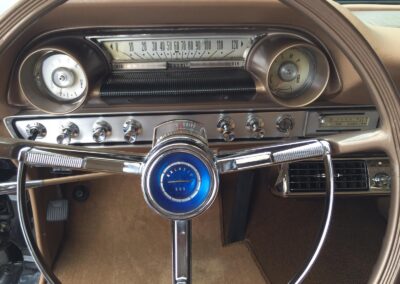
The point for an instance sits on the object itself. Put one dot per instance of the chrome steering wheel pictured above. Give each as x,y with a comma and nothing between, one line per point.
179,176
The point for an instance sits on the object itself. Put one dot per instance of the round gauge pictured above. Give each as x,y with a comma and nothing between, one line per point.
291,72
63,77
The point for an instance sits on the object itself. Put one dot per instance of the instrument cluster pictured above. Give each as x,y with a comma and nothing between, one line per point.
61,72
90,87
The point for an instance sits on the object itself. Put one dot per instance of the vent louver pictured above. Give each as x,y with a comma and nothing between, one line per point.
309,176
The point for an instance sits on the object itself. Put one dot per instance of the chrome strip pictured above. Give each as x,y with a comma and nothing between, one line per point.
16,125
181,251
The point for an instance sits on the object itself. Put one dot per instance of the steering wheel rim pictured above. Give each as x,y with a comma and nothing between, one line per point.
384,93
382,89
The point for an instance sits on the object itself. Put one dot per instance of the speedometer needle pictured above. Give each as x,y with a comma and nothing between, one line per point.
179,181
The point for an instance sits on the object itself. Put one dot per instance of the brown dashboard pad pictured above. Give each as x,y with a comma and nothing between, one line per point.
115,238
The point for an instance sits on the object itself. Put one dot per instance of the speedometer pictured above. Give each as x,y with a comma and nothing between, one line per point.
178,51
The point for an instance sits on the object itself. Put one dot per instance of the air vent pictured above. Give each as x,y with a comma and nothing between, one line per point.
309,176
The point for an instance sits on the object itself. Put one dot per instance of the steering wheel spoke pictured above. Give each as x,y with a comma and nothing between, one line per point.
79,158
272,155
182,251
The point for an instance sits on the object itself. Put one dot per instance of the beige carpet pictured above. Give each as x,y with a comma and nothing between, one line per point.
115,238
282,233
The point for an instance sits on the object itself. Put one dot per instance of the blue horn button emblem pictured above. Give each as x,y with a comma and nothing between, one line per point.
180,183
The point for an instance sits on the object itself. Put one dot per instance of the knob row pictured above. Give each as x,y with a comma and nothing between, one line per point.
131,128
254,125
101,130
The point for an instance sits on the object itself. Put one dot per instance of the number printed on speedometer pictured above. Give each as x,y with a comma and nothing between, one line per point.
179,49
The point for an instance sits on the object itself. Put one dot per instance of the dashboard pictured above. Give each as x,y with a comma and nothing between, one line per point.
234,75
112,87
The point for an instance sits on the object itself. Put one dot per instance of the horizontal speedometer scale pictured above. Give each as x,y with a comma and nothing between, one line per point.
173,68
177,48
210,48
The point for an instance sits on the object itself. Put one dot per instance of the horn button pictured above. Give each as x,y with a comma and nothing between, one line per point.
180,179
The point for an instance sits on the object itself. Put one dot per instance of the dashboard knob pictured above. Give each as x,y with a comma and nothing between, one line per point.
68,131
381,180
35,130
226,127
101,130
132,129
255,126
284,123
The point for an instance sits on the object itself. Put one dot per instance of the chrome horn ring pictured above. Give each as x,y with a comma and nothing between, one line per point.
180,155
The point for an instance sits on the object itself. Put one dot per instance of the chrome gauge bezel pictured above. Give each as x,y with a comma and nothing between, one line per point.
307,82
41,77
314,85
35,91
268,49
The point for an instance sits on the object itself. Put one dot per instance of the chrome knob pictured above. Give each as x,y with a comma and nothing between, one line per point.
255,126
132,129
226,127
101,130
381,180
68,131
284,123
35,130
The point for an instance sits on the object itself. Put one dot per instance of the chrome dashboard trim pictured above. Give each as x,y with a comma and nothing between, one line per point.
16,125
149,121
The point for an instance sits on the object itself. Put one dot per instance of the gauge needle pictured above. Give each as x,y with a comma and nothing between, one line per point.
179,181
124,53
